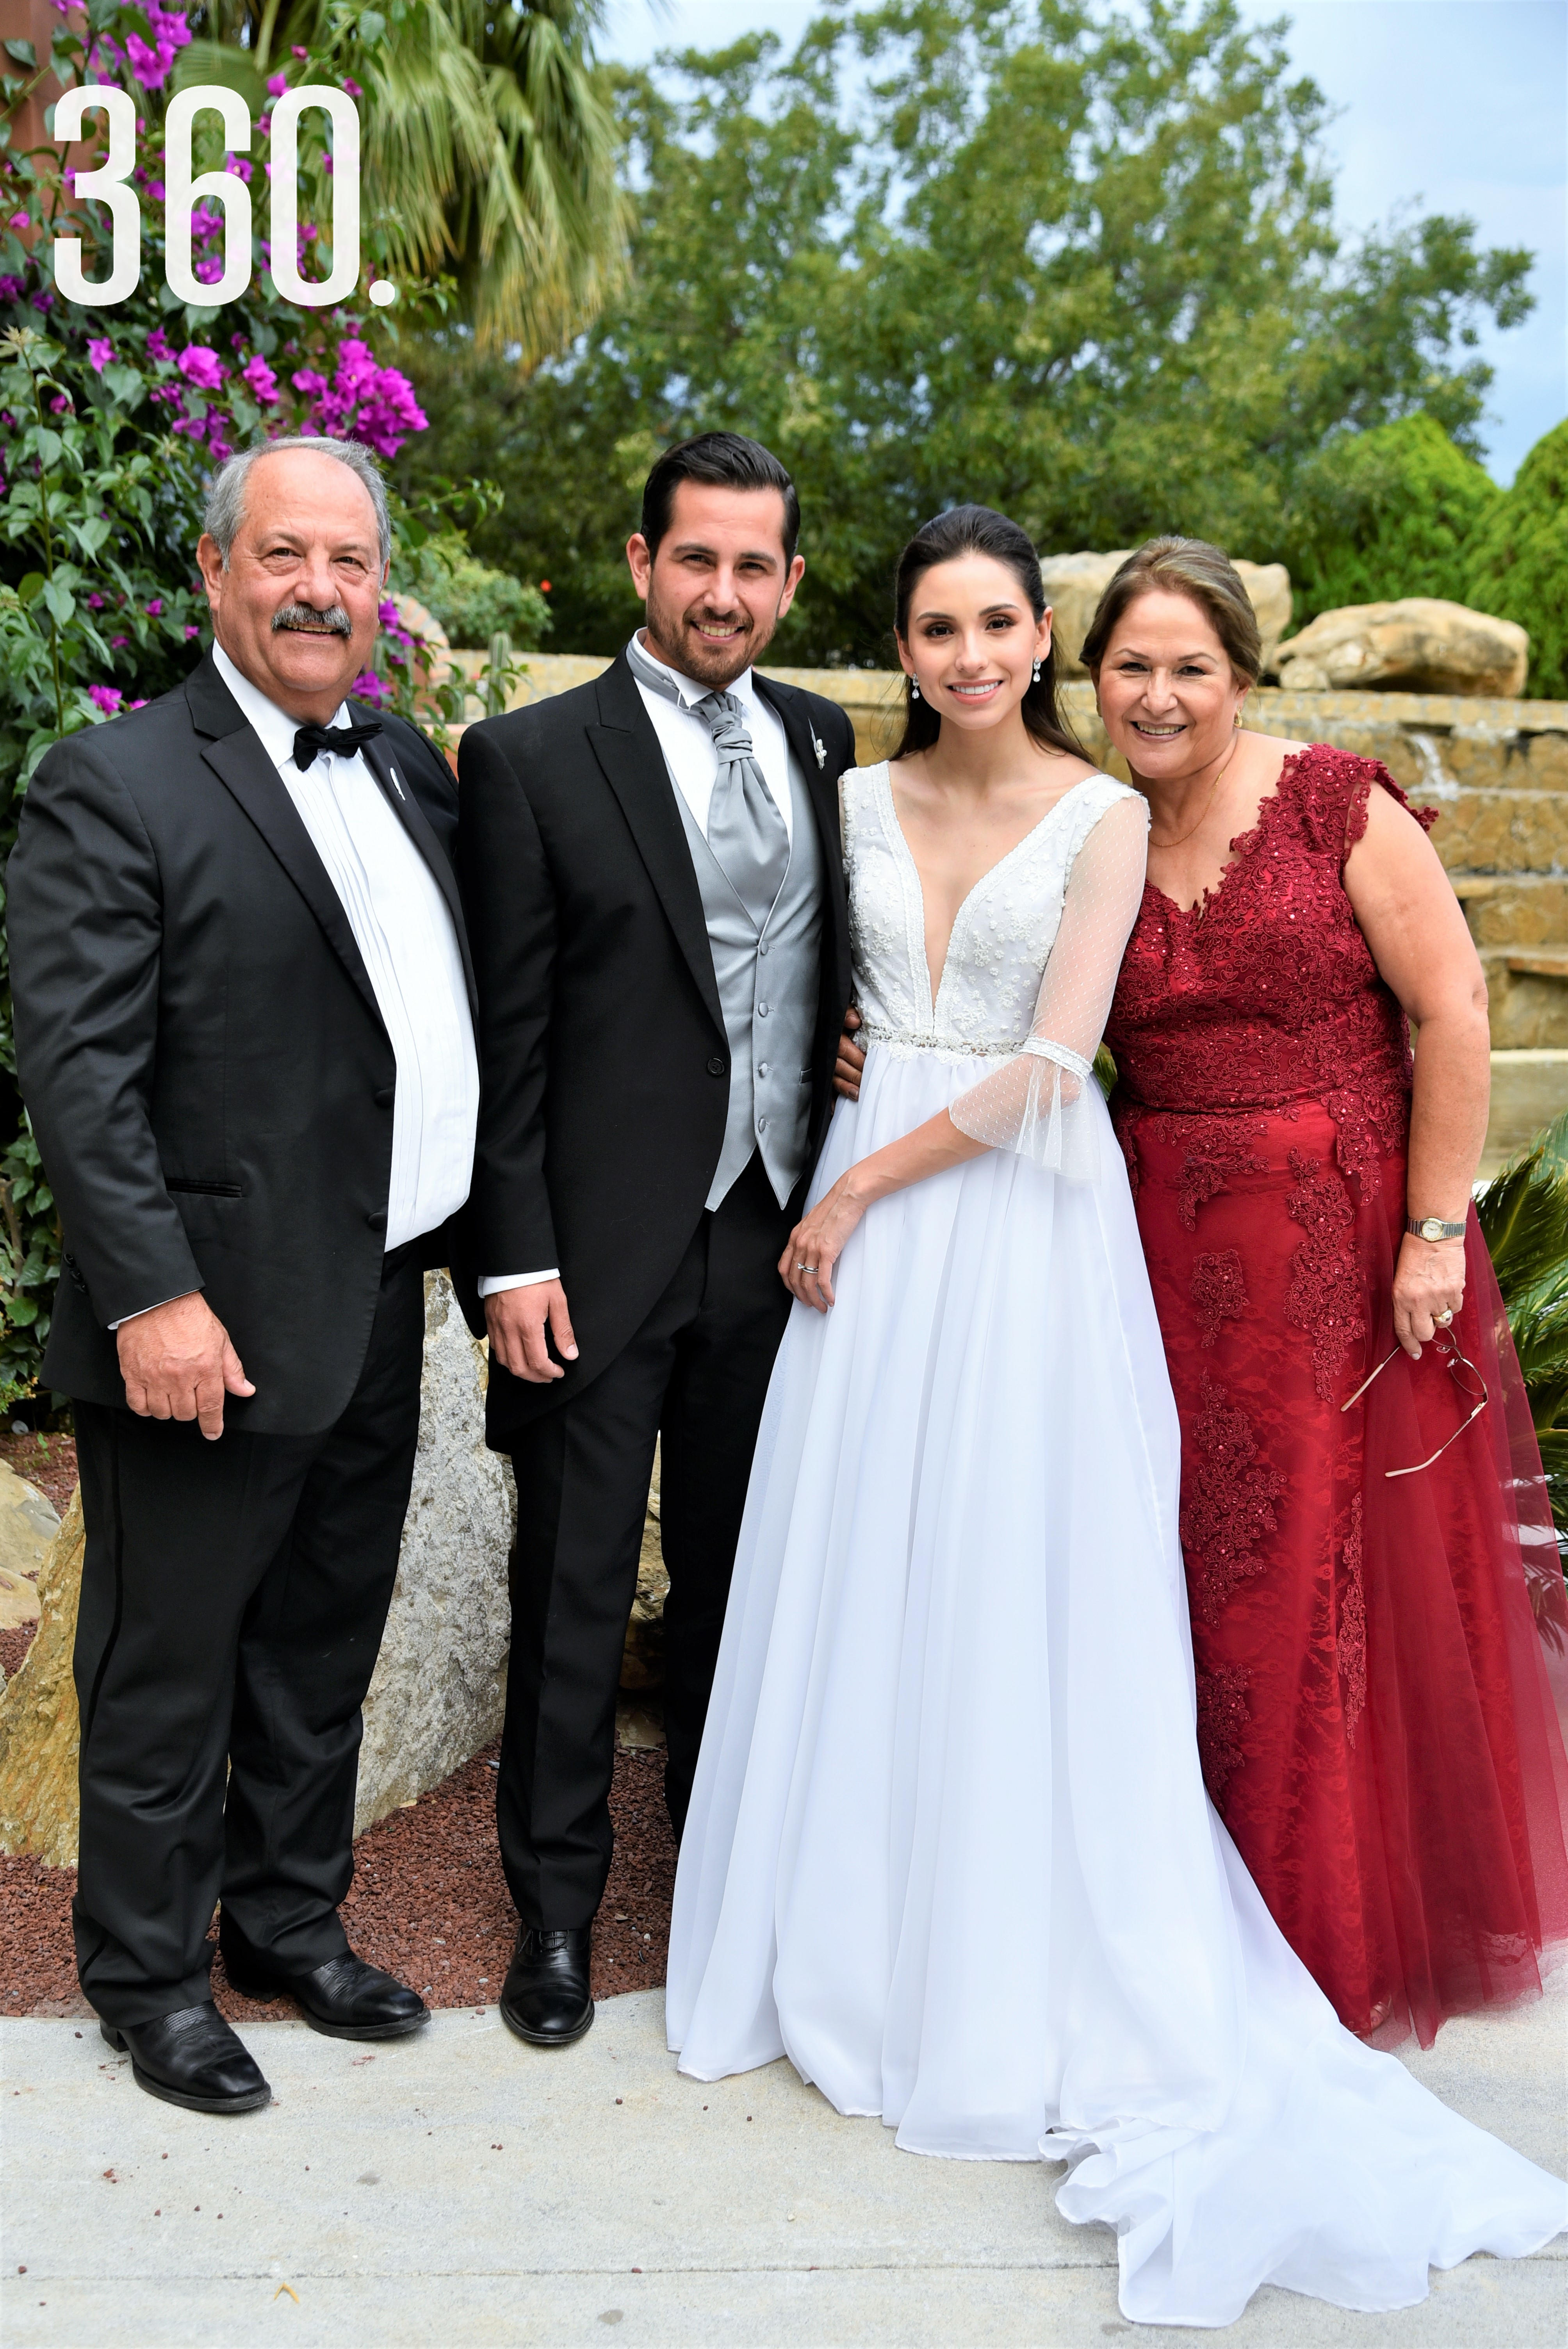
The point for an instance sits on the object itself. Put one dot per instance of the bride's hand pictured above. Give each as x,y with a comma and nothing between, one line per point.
806,1267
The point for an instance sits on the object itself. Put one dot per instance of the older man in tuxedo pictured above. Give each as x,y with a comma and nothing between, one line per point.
244,1031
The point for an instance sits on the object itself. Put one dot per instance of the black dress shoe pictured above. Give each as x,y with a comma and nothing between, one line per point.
344,1998
191,2058
545,1998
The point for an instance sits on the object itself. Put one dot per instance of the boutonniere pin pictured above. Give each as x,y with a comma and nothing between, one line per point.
821,754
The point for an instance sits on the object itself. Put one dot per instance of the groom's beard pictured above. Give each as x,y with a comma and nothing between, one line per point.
674,634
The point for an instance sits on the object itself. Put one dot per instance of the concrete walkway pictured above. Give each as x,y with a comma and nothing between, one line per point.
461,2189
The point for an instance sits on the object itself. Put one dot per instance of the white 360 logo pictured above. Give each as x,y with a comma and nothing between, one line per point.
109,184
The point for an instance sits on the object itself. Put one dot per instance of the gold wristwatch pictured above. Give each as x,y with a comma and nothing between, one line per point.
1432,1227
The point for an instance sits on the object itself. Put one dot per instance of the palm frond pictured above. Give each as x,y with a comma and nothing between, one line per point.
1523,1214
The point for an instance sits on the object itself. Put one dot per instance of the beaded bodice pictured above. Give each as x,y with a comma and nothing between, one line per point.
1001,938
1266,992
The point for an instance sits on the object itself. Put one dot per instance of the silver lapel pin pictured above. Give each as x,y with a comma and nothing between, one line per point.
821,754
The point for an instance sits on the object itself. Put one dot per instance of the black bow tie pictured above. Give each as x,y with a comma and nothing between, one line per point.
342,741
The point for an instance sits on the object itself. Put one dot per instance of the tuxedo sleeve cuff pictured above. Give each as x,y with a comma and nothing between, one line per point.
492,1284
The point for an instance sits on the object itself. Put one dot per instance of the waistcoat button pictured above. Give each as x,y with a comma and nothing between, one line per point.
762,1012
762,1067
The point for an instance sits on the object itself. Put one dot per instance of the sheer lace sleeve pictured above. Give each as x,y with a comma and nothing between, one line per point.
1036,1103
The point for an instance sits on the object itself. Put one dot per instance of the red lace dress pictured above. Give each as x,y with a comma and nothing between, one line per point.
1376,1659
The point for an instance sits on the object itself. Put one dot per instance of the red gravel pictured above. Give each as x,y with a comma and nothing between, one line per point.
428,1902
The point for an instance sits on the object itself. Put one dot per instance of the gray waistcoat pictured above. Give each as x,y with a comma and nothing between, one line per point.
768,989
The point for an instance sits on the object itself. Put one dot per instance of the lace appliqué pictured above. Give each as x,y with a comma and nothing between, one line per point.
1267,993
1222,1716
1218,1290
1227,1510
1351,1638
1219,1148
1325,1297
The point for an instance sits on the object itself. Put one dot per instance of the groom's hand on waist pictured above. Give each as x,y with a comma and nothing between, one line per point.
178,1363
518,1320
851,1058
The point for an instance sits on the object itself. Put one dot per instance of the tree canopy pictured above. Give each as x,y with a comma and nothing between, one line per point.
1077,263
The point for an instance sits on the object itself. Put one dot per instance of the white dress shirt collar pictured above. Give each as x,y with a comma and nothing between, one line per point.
743,687
274,727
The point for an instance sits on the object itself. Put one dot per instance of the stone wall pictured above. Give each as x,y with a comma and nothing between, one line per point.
1496,769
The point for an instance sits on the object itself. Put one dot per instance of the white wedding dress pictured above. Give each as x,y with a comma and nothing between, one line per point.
949,1848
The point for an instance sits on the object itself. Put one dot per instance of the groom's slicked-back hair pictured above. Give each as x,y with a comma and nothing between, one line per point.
730,461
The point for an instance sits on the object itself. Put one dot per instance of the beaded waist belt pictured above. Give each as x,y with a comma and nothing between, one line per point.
903,1041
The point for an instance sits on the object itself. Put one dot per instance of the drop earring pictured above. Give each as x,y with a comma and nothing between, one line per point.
913,691
1036,672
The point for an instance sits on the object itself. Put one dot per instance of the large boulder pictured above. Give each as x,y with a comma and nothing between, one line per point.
38,1733
1420,645
439,1684
1075,584
27,1526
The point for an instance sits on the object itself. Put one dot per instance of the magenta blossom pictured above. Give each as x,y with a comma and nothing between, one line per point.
352,87
20,219
170,34
107,698
190,630
277,84
9,289
369,686
94,602
155,609
100,350
301,52
263,382
158,346
118,644
201,366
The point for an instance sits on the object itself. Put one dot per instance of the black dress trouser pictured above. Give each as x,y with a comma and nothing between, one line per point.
694,1375
233,1598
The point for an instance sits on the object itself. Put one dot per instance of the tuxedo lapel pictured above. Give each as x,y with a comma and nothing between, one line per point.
795,718
628,751
396,789
241,764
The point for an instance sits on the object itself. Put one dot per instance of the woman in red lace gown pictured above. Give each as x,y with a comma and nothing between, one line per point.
1375,1653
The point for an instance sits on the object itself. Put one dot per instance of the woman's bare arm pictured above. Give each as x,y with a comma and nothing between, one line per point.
1412,922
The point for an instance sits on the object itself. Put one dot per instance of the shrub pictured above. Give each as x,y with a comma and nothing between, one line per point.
1518,565
473,602
1385,513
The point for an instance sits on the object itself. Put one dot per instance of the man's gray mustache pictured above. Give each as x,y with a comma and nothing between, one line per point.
334,622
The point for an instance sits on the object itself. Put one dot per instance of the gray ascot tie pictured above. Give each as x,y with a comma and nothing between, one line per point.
745,830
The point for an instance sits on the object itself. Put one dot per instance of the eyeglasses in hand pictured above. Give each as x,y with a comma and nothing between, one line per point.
1465,1376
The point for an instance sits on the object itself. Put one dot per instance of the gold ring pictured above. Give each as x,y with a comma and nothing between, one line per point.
1443,1319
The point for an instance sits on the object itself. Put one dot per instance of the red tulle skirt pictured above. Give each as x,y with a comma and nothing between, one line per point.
1382,1664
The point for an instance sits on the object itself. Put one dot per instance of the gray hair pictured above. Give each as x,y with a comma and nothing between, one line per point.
225,507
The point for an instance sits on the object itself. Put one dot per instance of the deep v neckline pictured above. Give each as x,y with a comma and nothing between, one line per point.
933,994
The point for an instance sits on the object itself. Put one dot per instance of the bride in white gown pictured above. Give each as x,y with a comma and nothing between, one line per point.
949,1847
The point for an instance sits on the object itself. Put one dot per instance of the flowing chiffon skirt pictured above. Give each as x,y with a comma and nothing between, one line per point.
1376,1719
949,1847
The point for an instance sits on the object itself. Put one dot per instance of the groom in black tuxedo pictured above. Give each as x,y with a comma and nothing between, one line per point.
244,1032
655,892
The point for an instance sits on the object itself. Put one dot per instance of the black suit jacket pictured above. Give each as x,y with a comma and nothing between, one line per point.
200,1047
604,1061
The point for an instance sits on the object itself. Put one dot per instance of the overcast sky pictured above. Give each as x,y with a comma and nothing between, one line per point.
1452,106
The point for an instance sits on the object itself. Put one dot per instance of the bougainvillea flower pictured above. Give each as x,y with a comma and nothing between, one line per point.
201,366
107,698
100,350
263,382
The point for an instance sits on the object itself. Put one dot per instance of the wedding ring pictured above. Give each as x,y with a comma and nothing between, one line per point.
1443,1319
811,1268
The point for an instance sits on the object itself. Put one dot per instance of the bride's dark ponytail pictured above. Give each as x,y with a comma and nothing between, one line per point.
976,530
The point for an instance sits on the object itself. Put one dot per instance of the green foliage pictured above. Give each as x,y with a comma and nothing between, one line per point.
1386,513
1523,1214
473,602
1081,266
487,147
1519,561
